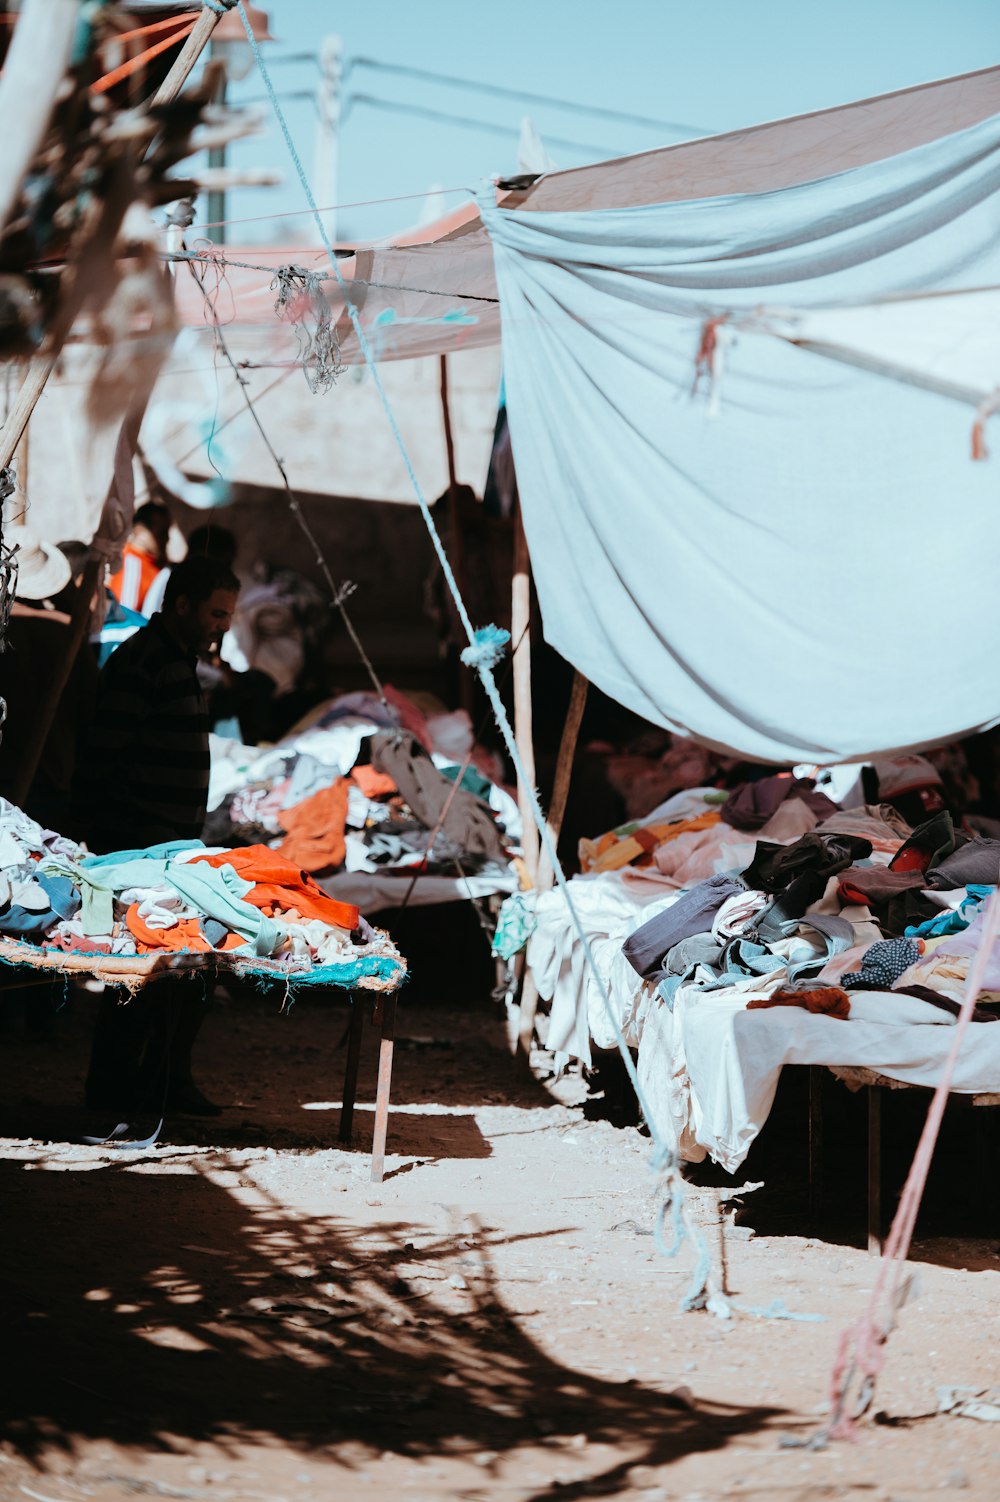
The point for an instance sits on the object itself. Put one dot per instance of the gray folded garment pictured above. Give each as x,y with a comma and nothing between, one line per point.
434,800
974,864
699,949
690,914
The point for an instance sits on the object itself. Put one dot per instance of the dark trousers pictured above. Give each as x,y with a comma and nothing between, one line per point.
142,1046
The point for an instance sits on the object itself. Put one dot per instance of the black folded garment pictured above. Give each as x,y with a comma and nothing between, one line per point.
775,867
796,875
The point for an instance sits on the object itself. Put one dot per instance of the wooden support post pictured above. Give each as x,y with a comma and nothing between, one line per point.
351,1070
546,875
50,691
520,616
875,1170
564,775
22,455
385,1048
186,58
24,404
466,682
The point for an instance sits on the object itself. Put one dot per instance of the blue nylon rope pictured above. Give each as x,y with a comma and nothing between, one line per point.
482,653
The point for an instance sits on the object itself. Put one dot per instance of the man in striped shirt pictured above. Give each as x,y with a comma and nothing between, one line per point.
143,779
145,768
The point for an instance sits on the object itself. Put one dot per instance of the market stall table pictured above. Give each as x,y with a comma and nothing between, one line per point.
26,964
875,1085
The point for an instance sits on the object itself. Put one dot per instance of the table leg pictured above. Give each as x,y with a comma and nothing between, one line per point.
384,1081
875,1170
984,1138
351,1071
816,1077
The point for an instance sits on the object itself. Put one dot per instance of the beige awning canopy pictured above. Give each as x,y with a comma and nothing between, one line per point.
438,292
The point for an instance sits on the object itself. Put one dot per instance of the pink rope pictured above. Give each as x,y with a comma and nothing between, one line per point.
861,1349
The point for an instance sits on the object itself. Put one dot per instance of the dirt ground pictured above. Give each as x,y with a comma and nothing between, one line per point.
238,1315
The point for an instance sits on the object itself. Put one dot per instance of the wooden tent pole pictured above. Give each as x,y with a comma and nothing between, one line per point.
25,402
21,457
467,686
564,774
52,690
186,58
520,619
528,1002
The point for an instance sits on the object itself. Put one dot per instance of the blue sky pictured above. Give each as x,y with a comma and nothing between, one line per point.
721,65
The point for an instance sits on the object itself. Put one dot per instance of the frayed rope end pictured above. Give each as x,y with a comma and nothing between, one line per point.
487,649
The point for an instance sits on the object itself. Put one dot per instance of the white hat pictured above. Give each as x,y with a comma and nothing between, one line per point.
42,571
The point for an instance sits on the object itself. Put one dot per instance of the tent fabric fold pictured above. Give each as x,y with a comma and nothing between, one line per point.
736,537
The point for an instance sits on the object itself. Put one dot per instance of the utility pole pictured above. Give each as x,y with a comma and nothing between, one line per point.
216,203
327,126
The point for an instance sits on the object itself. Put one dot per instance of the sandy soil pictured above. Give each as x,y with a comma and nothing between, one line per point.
239,1314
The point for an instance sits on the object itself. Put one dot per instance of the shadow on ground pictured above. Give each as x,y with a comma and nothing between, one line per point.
155,1304
958,1222
279,1073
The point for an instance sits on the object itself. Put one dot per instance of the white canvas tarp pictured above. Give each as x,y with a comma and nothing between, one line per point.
785,561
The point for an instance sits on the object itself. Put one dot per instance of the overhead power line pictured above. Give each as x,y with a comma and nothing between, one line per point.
503,92
445,116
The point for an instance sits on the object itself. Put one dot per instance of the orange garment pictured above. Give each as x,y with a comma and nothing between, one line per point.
830,1001
284,884
186,934
315,829
130,584
373,784
611,851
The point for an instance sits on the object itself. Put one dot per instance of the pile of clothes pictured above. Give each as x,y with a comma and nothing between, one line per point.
253,907
368,786
736,934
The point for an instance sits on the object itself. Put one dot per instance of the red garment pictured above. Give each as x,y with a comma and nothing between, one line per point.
315,829
284,884
829,1001
76,945
186,935
911,858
